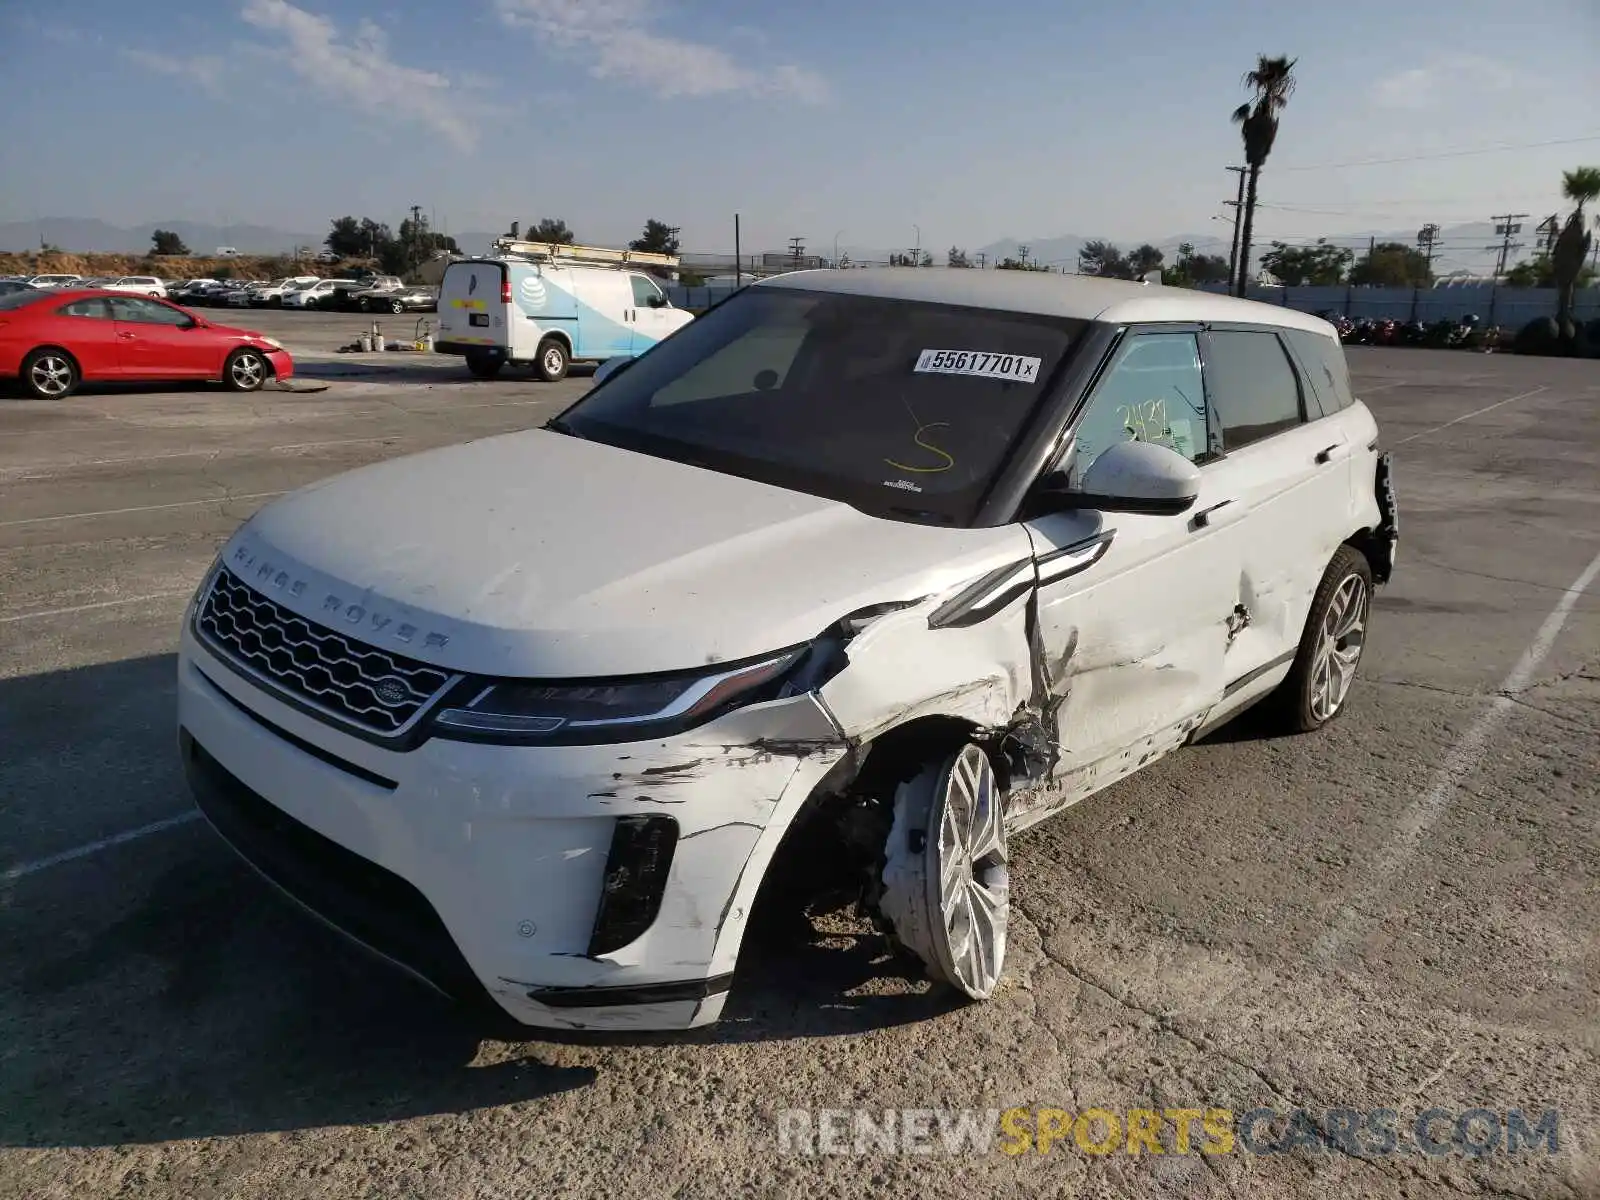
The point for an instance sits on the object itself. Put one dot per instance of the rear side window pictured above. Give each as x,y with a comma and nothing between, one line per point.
1322,360
1251,386
95,307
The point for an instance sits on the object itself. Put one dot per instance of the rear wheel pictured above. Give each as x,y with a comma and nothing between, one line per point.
245,371
552,360
1330,650
49,374
396,307
946,884
484,367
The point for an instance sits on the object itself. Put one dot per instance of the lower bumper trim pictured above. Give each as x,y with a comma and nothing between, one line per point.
644,993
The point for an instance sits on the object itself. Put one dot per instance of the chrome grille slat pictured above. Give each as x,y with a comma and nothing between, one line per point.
321,666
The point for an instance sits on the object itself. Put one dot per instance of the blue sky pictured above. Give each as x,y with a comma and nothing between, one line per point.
872,120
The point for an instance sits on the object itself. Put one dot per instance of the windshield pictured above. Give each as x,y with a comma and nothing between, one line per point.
900,408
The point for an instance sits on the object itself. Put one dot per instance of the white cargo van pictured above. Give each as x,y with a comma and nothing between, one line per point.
531,302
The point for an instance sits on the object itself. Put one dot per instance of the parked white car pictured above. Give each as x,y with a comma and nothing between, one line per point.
307,295
272,293
862,570
54,281
139,285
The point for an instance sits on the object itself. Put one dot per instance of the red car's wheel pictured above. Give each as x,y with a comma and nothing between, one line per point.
246,370
50,373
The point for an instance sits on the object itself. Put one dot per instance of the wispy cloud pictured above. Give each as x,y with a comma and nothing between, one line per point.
619,41
1442,81
203,69
359,71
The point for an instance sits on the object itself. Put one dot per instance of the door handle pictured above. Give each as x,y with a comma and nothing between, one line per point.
1332,453
127,337
1210,518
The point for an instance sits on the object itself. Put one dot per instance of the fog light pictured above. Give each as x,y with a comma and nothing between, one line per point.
636,877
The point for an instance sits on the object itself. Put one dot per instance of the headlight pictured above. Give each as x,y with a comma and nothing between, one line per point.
273,342
607,710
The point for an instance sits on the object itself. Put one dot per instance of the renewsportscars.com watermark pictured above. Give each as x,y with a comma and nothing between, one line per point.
1361,1133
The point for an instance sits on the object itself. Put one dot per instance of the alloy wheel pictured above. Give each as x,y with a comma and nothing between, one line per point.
51,375
247,371
1340,641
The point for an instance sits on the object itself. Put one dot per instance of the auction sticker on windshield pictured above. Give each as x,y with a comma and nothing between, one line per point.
1016,367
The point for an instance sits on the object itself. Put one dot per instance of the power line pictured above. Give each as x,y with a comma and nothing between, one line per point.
1496,149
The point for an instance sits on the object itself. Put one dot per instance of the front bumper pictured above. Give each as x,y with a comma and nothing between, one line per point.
282,363
480,868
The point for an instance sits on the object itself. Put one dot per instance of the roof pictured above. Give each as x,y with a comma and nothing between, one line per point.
1083,297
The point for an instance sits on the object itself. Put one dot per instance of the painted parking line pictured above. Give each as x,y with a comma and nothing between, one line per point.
117,512
1475,413
39,614
1458,765
22,870
24,474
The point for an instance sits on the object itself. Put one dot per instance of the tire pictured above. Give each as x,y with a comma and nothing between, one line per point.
1318,685
50,373
246,370
946,884
552,360
396,307
484,367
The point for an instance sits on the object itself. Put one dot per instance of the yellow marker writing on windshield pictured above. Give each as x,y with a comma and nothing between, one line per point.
949,461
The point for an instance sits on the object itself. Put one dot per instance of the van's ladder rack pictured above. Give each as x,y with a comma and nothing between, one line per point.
597,255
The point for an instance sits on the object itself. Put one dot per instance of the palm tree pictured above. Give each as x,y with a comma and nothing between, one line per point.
1572,247
1273,80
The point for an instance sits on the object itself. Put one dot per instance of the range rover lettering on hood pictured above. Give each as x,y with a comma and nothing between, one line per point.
267,576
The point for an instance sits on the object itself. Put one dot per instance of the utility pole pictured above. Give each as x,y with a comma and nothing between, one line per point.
1022,253
1428,239
1506,225
1550,228
797,250
738,262
1233,255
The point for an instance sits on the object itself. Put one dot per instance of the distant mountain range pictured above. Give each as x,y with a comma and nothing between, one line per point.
84,235
1461,248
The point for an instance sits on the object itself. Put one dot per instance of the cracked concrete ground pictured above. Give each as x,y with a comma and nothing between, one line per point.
169,1028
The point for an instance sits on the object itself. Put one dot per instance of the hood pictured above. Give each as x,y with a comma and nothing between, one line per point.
543,555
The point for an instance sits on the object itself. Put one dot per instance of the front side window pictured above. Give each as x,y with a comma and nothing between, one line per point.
1151,392
140,311
645,291
1252,386
900,408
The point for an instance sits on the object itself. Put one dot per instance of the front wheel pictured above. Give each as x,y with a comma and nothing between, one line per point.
1335,635
49,374
552,360
946,883
484,367
396,307
245,371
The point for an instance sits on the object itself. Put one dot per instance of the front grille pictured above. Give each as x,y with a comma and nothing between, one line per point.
372,688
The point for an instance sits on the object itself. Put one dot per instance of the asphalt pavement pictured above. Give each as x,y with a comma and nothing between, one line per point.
1401,912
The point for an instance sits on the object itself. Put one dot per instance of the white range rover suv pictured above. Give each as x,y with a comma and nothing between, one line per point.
855,576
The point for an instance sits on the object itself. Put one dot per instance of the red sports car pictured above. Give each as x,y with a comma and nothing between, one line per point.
52,340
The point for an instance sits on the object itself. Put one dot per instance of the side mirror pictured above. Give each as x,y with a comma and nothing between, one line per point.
611,366
658,301
1135,477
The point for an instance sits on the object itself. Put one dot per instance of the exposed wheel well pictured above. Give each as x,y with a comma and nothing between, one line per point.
61,350
559,335
834,844
1376,550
